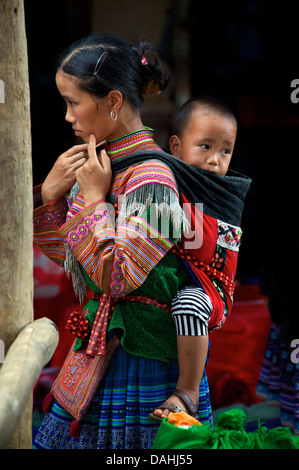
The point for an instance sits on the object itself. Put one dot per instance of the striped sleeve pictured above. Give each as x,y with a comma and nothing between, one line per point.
46,221
119,259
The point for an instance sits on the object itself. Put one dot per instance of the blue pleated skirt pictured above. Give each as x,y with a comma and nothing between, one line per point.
118,416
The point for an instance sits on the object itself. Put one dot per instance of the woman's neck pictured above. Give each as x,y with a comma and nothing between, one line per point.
128,121
142,139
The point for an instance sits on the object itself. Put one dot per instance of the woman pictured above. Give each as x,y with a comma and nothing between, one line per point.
124,360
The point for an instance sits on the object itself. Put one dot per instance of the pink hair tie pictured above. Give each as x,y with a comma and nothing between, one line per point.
144,60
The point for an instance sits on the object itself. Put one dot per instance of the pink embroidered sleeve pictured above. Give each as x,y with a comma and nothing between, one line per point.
118,260
46,221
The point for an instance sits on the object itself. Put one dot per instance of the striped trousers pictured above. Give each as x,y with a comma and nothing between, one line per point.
191,310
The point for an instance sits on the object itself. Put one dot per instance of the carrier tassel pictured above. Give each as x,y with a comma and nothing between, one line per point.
75,429
48,402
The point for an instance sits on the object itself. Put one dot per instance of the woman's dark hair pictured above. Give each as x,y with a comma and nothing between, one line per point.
102,63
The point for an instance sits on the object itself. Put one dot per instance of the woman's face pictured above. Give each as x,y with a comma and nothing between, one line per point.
86,113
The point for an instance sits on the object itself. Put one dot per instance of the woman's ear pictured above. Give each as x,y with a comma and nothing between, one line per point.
175,146
115,100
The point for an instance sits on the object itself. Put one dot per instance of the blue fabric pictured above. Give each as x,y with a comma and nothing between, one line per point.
279,380
118,417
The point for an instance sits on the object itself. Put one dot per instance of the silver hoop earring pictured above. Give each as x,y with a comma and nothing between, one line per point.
113,115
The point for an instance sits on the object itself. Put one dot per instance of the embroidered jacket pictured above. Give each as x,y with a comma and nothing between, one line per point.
131,257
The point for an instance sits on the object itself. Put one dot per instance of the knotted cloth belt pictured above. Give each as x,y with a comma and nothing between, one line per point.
78,324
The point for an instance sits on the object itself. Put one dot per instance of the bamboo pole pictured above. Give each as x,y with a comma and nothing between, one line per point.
30,352
16,251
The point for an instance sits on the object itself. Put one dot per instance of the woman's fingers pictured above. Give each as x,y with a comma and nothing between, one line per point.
94,177
105,160
92,148
63,174
75,159
76,149
78,152
78,162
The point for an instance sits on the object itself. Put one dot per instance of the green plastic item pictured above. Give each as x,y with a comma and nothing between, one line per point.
228,433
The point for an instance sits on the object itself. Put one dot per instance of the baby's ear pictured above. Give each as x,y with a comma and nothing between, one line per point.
175,146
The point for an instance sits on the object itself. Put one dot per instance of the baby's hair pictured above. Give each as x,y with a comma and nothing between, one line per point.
209,103
101,63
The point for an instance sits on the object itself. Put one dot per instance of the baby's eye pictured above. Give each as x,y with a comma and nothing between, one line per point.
226,151
205,146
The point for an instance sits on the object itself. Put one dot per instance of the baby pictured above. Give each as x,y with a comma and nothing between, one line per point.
204,136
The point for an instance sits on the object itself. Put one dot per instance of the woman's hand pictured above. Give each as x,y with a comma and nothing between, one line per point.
94,177
63,174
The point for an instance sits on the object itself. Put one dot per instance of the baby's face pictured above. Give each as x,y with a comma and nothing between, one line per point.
208,141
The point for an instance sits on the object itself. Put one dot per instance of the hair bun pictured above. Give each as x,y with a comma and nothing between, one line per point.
102,63
154,78
152,87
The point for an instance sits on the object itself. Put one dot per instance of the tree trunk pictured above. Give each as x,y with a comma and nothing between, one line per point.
29,353
16,251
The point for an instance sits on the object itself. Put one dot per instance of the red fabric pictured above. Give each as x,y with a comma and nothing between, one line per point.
48,402
42,398
237,349
54,298
66,339
97,343
75,429
203,247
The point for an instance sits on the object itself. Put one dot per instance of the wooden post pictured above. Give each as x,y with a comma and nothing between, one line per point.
29,353
16,250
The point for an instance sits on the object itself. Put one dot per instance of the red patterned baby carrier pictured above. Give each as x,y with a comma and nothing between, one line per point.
213,205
